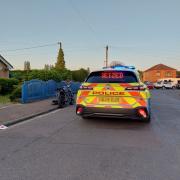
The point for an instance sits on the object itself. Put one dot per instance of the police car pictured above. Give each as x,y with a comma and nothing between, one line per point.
114,92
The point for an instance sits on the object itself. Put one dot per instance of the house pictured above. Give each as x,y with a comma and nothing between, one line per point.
4,68
157,72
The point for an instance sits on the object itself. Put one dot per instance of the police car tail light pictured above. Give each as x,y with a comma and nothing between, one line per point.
85,87
142,113
79,110
135,88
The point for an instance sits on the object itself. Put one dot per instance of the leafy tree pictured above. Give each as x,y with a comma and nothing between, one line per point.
27,66
80,75
88,70
51,67
140,74
7,85
60,64
46,67
18,74
116,63
178,74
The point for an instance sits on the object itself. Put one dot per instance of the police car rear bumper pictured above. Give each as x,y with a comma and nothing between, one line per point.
111,112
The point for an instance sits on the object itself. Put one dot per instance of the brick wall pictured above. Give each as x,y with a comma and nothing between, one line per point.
4,73
154,75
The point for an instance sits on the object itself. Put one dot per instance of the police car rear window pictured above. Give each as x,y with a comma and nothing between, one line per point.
112,77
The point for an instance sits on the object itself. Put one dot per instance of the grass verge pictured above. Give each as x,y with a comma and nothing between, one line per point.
4,99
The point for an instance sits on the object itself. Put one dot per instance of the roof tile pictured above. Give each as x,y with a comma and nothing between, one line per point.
160,67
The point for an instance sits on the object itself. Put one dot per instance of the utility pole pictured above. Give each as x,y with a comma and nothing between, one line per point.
106,61
60,44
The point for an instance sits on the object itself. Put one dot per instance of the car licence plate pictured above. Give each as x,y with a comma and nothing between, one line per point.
109,99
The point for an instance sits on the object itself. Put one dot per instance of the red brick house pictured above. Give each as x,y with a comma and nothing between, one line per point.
4,68
157,72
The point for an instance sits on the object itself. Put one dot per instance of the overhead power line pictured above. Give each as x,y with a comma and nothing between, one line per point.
27,48
83,19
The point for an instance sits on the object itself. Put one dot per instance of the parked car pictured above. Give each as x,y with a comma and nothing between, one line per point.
159,84
170,85
178,85
165,84
149,85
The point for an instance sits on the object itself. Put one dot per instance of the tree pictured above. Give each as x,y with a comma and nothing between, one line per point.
80,75
27,66
116,63
60,64
46,67
178,74
88,70
51,67
140,75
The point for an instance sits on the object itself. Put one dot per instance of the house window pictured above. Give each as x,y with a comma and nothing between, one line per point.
158,73
168,74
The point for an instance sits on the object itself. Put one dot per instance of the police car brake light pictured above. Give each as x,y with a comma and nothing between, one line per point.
79,110
82,87
142,113
135,88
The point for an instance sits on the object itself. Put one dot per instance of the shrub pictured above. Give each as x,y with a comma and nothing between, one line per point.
20,75
54,74
7,85
16,94
80,75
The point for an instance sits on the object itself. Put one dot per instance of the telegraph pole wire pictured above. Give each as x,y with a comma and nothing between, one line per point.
84,20
28,48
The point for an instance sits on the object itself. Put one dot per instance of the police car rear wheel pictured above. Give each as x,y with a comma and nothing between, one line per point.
147,120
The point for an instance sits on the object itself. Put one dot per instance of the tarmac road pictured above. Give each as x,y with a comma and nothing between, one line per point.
60,145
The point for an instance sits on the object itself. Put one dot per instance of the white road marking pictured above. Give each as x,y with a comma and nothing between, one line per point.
2,127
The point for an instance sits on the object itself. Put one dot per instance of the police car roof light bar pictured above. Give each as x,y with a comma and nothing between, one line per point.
120,67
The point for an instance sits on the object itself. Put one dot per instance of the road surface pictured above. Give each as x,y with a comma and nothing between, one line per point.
62,146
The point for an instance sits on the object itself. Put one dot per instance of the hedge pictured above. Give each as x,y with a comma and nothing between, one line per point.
54,74
16,94
7,85
80,75
46,75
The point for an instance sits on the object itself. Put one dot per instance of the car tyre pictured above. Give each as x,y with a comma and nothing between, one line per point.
61,102
147,120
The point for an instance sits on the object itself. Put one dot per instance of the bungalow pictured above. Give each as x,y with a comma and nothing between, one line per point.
4,68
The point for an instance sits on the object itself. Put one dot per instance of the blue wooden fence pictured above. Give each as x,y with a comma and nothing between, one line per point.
37,89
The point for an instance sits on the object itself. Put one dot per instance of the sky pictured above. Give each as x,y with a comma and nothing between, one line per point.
138,32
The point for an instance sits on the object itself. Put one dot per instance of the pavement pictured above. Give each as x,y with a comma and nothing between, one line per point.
13,113
62,146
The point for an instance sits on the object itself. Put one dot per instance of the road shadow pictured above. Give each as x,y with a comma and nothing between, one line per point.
115,123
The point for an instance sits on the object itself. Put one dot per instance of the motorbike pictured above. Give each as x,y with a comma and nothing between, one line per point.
64,97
